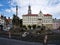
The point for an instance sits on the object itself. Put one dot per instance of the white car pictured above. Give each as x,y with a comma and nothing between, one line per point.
25,34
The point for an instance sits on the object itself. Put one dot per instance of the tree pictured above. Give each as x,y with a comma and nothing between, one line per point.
29,26
38,26
24,27
43,27
34,26
20,22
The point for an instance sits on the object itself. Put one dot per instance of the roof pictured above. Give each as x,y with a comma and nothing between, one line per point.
47,15
56,20
31,15
8,20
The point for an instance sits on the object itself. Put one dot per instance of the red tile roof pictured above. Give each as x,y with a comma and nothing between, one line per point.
31,15
47,15
8,20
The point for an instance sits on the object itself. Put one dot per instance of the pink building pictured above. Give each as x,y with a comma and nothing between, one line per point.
56,23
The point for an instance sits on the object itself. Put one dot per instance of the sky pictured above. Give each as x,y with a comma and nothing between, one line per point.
7,7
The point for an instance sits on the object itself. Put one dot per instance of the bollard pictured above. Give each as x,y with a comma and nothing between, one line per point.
9,35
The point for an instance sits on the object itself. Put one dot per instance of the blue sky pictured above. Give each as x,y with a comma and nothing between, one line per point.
7,7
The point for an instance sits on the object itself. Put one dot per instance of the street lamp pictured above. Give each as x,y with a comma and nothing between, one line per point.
8,29
45,38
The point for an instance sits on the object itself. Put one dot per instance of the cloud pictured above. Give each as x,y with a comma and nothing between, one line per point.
46,6
1,5
8,10
53,2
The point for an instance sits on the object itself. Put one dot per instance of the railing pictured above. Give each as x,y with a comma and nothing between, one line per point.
53,38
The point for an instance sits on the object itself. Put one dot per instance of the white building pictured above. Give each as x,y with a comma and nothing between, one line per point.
5,23
2,21
30,19
37,19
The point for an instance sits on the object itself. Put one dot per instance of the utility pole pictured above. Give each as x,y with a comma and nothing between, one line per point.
45,39
9,34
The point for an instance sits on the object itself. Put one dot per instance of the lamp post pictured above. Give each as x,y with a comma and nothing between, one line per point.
45,39
9,33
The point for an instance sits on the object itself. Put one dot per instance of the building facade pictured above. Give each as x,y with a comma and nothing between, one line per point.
48,21
5,23
56,23
37,19
2,22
